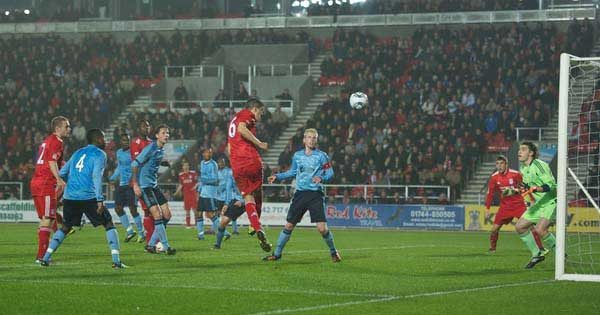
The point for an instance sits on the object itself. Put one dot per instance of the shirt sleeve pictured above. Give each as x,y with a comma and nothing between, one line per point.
245,117
142,157
99,165
54,151
490,192
289,173
64,171
545,175
116,174
327,169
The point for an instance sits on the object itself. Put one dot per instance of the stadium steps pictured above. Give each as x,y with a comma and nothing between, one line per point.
299,120
296,122
470,195
139,103
315,66
196,71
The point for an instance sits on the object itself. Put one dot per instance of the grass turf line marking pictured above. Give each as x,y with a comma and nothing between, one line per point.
183,286
392,298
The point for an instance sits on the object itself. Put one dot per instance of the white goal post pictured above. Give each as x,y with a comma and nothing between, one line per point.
578,215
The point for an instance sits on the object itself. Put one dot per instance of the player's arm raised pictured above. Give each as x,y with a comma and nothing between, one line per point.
246,134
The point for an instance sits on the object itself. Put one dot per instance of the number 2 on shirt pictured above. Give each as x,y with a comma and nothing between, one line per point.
41,157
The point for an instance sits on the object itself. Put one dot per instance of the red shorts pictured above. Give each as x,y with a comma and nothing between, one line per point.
45,206
190,201
506,216
143,204
248,176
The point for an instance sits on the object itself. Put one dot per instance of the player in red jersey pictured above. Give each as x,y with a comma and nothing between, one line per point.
136,147
505,181
46,183
246,163
188,180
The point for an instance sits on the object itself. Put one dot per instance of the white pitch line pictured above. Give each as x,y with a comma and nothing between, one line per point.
184,286
392,298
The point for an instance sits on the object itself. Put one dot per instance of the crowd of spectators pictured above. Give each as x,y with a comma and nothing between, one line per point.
207,126
463,91
90,81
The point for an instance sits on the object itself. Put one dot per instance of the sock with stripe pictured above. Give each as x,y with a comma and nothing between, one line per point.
529,241
549,241
493,240
155,235
328,238
149,227
200,226
284,237
138,223
126,224
220,234
253,216
57,239
112,237
162,234
43,240
215,222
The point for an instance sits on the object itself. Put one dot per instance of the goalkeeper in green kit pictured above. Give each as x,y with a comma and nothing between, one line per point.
539,186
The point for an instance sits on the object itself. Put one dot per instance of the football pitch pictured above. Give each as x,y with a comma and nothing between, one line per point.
382,272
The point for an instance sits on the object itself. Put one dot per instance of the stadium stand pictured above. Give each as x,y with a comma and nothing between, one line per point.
459,89
418,6
459,80
91,81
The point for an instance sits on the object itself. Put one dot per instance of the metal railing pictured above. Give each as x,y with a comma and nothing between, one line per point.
194,71
302,22
283,192
273,70
366,193
11,186
287,106
531,133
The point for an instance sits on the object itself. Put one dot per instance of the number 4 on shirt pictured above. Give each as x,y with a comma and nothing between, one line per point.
79,165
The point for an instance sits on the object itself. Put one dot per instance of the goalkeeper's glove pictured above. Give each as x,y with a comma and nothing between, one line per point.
523,188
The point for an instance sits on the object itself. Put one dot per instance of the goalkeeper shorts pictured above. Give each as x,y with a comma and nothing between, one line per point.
546,210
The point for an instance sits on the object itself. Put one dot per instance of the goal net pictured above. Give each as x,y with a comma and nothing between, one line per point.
578,215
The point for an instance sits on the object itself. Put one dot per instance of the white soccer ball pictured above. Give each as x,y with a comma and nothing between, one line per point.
159,247
358,100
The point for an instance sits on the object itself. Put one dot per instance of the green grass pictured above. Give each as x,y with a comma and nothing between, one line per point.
387,272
